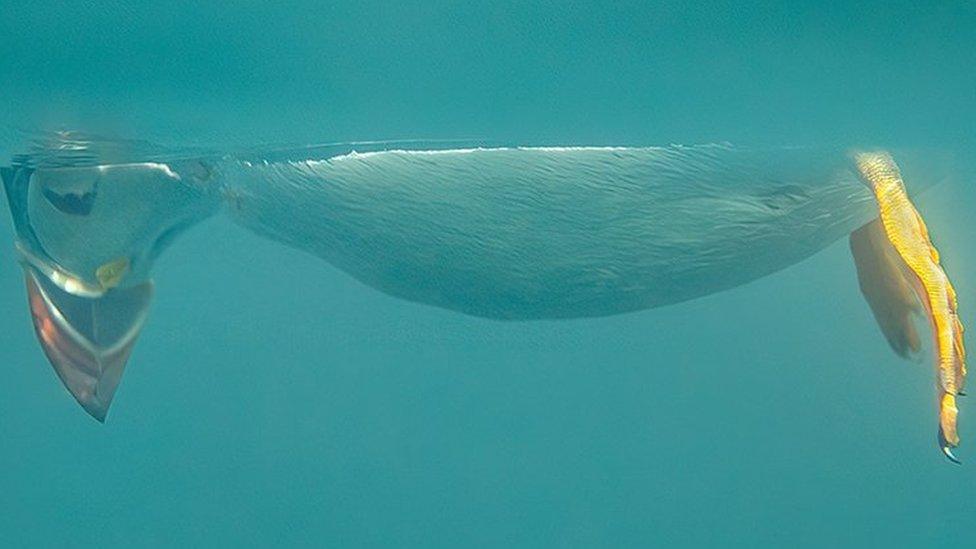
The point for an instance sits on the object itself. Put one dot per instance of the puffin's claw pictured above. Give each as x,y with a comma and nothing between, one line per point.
948,453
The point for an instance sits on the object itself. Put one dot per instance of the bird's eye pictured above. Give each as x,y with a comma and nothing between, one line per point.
71,191
71,203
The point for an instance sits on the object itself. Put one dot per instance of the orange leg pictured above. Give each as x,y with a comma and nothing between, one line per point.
908,235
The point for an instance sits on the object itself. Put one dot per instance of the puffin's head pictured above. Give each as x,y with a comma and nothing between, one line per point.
88,237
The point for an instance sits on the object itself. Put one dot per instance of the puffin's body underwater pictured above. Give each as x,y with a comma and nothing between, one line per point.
506,233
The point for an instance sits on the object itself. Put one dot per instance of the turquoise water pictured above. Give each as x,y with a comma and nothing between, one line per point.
272,399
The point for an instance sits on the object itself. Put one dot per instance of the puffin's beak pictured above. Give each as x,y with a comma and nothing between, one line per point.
87,340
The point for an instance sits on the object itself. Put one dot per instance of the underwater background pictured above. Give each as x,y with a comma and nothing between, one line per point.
273,400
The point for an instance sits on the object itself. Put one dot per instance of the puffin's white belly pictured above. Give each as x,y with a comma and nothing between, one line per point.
528,233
